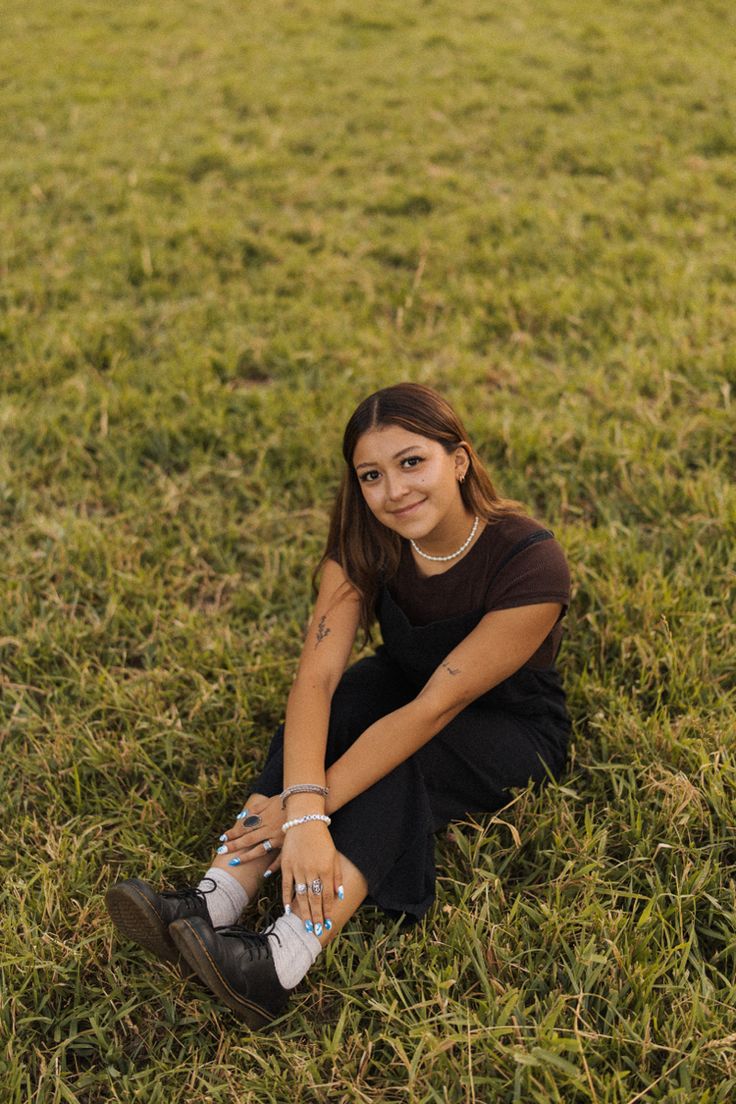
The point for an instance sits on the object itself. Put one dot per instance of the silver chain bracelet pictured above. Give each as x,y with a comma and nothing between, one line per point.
303,787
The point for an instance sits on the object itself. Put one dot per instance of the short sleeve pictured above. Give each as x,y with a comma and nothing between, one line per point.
537,572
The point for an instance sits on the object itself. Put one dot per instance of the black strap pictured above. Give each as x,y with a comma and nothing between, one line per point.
526,542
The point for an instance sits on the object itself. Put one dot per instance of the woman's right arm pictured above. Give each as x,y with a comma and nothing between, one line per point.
325,653
308,852
307,849
327,646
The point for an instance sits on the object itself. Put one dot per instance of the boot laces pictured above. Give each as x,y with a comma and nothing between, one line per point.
256,943
190,894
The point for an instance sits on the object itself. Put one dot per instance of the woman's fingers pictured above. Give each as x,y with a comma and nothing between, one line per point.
317,896
311,853
253,806
310,906
328,899
287,888
252,844
337,875
256,802
275,865
253,829
301,899
314,917
252,853
252,840
250,824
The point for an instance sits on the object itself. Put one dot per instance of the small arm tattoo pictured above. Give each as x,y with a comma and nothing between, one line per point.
450,670
322,631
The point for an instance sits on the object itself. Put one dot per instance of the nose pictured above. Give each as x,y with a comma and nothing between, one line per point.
395,486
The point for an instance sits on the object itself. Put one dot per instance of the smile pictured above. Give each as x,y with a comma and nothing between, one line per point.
408,510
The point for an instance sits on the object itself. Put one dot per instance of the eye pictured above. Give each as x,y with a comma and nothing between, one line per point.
364,477
413,460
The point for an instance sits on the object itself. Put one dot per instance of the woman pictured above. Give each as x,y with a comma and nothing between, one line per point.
459,704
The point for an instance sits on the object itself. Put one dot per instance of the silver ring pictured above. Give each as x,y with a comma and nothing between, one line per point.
267,846
316,886
300,888
251,823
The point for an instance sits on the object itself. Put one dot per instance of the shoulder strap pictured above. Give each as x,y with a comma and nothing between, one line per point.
525,542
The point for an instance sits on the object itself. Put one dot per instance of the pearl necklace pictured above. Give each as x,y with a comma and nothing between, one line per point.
452,555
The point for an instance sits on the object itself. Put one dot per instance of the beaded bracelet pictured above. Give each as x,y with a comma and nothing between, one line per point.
303,820
303,787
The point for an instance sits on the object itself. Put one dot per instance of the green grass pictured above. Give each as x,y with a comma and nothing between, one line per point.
224,224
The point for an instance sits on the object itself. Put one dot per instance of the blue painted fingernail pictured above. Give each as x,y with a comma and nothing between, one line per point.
317,929
341,893
223,837
309,925
287,910
267,873
234,862
221,850
328,924
242,814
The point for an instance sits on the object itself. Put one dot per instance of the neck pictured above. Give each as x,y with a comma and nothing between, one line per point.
453,535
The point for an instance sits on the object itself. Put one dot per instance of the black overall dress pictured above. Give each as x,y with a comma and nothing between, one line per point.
515,733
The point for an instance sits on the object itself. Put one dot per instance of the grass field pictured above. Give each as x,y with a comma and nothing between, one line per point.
224,224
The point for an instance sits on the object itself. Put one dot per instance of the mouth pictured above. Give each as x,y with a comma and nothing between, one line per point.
407,510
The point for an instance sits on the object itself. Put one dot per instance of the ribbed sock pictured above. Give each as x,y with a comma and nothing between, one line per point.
294,951
228,898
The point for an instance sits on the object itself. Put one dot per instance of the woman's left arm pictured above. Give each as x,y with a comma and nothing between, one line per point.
502,642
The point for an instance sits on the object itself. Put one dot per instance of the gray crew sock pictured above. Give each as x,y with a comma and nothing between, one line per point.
294,951
227,900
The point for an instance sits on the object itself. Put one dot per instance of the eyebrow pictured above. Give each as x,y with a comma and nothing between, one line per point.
396,455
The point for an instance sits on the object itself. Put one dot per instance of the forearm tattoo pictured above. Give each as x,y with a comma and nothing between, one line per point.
450,670
322,631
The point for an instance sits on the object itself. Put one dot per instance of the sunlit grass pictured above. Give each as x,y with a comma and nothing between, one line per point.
224,224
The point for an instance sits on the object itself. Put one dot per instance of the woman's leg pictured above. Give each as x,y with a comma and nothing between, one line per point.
386,835
253,973
369,689
248,875
144,914
472,765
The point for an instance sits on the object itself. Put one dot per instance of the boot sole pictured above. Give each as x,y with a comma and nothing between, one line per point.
195,952
134,915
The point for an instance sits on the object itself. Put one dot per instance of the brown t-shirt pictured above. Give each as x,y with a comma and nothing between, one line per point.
514,562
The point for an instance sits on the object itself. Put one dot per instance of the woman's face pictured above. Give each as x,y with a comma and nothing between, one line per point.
410,483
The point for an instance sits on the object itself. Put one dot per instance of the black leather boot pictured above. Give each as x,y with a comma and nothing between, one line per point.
144,915
236,965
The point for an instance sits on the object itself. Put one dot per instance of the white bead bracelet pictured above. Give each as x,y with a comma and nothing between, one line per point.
303,820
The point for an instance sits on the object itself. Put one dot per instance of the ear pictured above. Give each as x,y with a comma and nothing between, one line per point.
462,461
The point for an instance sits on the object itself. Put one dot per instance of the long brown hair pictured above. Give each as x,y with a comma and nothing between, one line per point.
368,551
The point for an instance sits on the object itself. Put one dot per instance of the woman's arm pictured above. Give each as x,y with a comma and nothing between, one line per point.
326,650
497,647
327,645
307,850
308,853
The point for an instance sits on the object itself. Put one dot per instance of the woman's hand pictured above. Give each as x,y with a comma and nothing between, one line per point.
308,858
244,841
